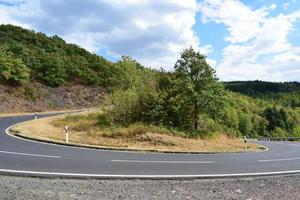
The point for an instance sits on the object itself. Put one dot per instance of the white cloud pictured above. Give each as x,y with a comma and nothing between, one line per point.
153,32
273,6
6,19
259,47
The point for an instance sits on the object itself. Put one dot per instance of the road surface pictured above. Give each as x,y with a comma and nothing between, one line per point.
24,157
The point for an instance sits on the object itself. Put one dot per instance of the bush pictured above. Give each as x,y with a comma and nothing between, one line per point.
296,132
279,132
105,120
122,107
13,71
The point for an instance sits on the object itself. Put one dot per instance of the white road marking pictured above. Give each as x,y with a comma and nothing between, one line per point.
164,161
277,160
79,175
29,154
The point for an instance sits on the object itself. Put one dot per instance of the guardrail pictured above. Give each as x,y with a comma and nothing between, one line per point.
280,139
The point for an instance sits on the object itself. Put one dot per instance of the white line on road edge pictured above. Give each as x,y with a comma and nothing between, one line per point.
77,175
276,160
29,154
163,161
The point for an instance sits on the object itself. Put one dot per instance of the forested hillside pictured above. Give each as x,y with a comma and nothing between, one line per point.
26,55
38,72
257,88
287,93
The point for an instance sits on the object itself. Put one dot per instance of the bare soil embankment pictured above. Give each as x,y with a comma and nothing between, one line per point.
35,97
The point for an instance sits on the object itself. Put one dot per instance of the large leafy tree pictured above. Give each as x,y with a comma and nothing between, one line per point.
13,71
199,84
277,118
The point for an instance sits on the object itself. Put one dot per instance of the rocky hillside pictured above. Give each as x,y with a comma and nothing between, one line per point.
36,97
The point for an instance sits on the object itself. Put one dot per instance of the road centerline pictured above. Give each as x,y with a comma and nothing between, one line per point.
164,161
29,154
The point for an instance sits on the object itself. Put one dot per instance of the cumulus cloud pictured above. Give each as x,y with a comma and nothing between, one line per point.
258,43
153,32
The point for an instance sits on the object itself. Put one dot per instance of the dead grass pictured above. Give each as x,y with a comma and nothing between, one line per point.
138,136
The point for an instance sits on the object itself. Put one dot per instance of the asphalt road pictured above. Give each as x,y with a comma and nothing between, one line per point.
18,156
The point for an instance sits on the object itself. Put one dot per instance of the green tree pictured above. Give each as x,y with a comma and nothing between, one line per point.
127,74
13,70
279,132
231,118
197,81
245,125
259,126
53,70
277,118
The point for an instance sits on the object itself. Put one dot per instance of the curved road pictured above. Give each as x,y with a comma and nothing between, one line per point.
24,157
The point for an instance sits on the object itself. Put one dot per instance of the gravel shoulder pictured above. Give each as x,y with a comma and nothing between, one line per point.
271,187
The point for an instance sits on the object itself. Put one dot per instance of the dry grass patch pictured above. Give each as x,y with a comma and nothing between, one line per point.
84,130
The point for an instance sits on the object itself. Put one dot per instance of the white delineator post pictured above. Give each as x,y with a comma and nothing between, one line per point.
67,134
35,116
245,140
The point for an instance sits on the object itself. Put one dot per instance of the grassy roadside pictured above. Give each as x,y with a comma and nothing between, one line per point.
83,131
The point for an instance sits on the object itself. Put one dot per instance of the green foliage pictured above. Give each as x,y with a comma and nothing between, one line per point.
260,125
296,131
13,71
287,94
231,118
261,88
277,118
53,72
279,132
245,125
122,107
198,83
52,61
127,74
49,60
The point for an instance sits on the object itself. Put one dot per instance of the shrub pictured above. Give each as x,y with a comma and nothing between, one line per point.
123,107
13,71
279,132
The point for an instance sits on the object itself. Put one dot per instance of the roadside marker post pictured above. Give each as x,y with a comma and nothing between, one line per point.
67,134
245,141
35,116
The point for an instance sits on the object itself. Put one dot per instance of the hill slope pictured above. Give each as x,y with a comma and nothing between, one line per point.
38,72
287,93
49,60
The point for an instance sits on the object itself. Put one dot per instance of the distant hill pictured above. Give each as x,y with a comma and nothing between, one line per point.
257,88
49,60
285,93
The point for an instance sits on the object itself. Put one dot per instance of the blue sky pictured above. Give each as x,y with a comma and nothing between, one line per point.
242,39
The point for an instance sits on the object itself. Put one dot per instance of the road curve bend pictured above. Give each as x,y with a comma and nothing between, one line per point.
30,158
